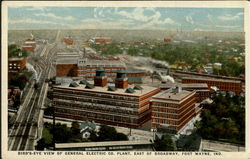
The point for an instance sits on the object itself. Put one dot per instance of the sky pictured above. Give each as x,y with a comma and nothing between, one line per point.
160,18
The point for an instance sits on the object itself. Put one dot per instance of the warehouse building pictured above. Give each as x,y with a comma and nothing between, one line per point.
118,104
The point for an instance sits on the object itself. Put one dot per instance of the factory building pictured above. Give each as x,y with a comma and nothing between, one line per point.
29,45
118,104
72,65
223,84
87,67
17,64
173,109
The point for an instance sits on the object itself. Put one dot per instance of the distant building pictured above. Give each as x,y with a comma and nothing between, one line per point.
29,45
99,40
222,84
173,109
29,48
17,64
167,40
68,41
117,104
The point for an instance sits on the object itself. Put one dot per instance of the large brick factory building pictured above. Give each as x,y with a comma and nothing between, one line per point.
223,84
173,108
113,104
75,66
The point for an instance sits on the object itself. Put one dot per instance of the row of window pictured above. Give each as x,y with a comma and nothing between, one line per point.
100,109
165,121
124,119
95,104
98,94
14,64
98,101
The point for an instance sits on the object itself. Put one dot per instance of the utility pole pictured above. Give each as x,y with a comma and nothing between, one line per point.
53,128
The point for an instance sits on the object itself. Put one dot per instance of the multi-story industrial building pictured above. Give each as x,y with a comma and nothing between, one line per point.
118,104
202,89
17,64
72,65
173,108
222,84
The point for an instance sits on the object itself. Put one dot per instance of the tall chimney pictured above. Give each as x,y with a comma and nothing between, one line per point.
121,80
100,78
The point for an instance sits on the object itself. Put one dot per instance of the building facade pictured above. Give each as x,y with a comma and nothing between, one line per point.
17,64
106,104
173,108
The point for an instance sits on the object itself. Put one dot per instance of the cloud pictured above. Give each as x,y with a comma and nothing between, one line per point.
136,14
189,19
29,21
103,24
35,8
50,15
228,26
38,24
209,17
229,17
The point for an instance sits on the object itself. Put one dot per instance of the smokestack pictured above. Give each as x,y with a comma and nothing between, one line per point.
121,80
100,78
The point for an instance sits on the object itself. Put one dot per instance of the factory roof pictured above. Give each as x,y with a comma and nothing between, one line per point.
135,71
15,59
145,90
212,79
172,94
105,143
200,85
100,63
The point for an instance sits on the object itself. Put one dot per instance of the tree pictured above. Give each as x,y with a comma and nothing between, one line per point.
121,137
165,143
75,128
107,133
41,144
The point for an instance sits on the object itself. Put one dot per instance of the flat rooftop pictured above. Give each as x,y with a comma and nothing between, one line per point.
170,94
211,79
15,59
199,85
145,90
100,63
106,143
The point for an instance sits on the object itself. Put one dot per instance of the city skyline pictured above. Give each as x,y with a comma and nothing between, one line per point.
143,18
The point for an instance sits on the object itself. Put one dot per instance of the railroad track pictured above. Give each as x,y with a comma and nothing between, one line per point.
24,132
